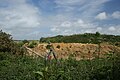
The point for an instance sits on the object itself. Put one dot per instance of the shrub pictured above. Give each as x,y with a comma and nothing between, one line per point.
20,44
6,42
25,41
103,73
8,45
48,46
32,44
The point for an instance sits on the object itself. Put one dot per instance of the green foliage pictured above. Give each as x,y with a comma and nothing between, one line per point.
82,38
20,44
42,40
13,67
7,44
97,34
103,73
43,75
22,67
25,41
116,67
32,44
48,46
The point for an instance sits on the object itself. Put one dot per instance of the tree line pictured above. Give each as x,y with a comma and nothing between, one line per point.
82,38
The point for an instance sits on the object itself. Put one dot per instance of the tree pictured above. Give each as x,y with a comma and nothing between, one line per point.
7,44
97,34
42,39
25,41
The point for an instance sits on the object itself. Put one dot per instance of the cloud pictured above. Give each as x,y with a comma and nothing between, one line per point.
84,21
19,17
104,15
27,20
66,24
85,8
74,27
99,29
101,16
112,28
55,29
81,26
116,15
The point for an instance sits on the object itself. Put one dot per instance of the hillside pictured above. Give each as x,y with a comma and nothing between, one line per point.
77,50
82,38
80,46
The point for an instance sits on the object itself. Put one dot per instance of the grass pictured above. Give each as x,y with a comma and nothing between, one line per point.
13,67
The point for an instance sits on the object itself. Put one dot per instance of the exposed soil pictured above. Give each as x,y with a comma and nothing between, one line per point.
77,50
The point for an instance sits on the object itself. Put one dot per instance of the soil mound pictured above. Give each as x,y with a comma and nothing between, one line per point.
77,50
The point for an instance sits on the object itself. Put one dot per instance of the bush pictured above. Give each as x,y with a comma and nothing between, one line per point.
116,67
20,44
48,46
25,41
32,44
27,68
103,73
7,44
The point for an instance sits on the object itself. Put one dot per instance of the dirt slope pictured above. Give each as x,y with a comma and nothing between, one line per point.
77,50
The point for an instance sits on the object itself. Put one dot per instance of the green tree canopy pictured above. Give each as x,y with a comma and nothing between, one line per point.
7,44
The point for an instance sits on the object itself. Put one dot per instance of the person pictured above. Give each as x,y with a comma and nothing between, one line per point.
51,51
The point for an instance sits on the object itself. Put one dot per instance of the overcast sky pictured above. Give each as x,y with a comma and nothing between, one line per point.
32,19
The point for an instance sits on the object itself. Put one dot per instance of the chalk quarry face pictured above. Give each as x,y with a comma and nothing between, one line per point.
77,50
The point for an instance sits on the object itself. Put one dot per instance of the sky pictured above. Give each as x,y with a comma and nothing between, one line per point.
33,19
